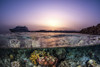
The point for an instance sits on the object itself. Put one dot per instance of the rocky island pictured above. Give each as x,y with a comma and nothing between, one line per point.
94,30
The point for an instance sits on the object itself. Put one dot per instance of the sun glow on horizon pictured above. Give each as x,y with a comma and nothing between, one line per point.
53,23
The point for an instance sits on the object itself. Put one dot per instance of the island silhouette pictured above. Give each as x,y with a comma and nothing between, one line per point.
94,30
25,29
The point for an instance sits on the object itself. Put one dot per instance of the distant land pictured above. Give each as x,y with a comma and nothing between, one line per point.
94,30
25,29
56,31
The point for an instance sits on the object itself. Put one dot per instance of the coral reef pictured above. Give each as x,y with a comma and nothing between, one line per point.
15,64
14,43
92,63
88,56
64,64
36,54
47,61
60,53
43,58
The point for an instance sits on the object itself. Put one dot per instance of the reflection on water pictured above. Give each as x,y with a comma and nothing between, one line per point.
65,50
30,40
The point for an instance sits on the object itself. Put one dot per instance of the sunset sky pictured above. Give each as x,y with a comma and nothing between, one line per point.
49,14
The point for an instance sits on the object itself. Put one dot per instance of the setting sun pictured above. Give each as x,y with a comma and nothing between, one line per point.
53,23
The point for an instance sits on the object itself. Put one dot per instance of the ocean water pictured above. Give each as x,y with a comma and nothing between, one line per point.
49,50
44,40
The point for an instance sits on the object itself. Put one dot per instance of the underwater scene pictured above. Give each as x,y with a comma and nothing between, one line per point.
51,57
49,50
49,33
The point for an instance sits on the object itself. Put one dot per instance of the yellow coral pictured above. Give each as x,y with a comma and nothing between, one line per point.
11,56
35,55
79,66
92,62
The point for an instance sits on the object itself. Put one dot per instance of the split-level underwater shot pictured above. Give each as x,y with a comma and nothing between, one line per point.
49,50
49,33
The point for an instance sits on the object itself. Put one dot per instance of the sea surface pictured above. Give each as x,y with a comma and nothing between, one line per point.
49,50
36,40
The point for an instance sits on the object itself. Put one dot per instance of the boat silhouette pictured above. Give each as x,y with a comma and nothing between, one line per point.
19,29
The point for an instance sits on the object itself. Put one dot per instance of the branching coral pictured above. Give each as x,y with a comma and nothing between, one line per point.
36,54
43,58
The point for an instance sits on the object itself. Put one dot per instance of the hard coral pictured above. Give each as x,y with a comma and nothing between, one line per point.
35,55
47,61
15,64
43,58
